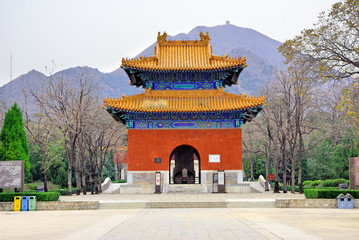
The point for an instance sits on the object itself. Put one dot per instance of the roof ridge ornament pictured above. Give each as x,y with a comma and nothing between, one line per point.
161,38
204,37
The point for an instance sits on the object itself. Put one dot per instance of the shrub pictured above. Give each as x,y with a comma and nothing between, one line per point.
328,183
317,183
120,181
63,192
307,183
32,187
328,194
44,196
289,188
53,196
323,188
336,182
310,193
348,182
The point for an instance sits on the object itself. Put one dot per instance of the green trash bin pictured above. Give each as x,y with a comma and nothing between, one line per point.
32,203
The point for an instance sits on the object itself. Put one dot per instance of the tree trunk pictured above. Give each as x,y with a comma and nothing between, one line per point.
251,162
266,185
77,175
284,175
268,155
69,172
91,182
99,181
96,184
276,177
44,171
45,180
301,191
284,159
293,175
91,171
83,179
78,178
83,166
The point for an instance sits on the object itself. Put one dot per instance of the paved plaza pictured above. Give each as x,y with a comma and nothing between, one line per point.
182,223
214,223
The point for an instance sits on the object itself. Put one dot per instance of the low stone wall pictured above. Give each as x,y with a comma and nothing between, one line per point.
243,203
310,203
6,206
58,205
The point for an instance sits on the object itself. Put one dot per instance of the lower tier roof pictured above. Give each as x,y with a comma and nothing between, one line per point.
183,101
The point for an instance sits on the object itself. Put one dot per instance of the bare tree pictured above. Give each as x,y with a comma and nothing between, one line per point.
65,102
120,157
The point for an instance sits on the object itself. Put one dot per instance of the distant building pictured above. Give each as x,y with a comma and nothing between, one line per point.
228,22
184,126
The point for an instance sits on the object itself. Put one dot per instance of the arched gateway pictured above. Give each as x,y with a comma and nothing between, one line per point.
184,128
184,165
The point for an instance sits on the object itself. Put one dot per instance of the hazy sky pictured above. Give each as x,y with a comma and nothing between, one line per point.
98,33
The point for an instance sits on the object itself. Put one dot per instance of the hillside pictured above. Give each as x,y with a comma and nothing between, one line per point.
260,51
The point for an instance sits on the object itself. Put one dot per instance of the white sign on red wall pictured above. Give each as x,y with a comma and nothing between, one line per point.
214,158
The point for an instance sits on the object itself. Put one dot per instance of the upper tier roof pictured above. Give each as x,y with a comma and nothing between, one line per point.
183,101
183,55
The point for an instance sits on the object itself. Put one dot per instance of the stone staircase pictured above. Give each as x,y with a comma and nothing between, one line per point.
186,188
185,205
230,203
251,203
121,205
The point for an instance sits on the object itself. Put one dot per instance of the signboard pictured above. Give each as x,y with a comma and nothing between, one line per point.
220,178
12,174
158,182
158,179
270,177
221,182
157,160
214,158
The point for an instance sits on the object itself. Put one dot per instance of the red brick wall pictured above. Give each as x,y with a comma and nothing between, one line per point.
146,145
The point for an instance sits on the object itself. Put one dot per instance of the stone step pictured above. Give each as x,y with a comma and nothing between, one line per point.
186,205
251,203
121,205
243,203
186,188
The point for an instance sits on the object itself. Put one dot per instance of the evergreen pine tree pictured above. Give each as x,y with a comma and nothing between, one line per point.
13,141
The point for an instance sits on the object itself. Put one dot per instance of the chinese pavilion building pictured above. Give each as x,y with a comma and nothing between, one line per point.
184,125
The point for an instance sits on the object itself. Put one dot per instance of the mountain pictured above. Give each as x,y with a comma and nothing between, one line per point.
260,51
225,38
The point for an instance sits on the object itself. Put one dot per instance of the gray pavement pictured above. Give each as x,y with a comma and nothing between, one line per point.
214,197
214,223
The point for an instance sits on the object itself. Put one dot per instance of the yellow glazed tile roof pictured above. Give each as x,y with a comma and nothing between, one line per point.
183,101
183,55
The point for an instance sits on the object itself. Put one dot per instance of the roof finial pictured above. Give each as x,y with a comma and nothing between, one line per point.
161,38
204,38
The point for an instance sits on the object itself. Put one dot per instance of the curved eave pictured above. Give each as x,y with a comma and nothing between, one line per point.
249,113
136,80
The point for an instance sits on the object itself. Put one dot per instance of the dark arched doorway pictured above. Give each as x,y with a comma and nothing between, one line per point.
184,165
